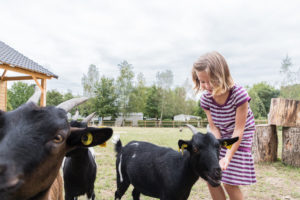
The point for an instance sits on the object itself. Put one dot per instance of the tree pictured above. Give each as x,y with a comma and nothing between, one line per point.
286,71
18,94
199,111
290,91
106,98
90,80
256,105
169,110
87,107
191,107
189,89
290,87
54,98
138,97
9,106
265,92
68,96
179,101
164,81
153,102
124,87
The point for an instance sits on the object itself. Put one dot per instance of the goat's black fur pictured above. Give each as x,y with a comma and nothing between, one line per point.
166,174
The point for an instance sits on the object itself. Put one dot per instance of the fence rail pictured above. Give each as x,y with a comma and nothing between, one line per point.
167,124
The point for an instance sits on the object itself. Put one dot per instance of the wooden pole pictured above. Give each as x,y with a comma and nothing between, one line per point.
3,95
43,95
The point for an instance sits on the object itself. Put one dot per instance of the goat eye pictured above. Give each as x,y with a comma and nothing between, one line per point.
58,138
195,149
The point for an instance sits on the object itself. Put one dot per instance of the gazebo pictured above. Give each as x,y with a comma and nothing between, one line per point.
12,60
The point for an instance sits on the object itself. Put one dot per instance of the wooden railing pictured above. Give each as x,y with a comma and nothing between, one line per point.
168,124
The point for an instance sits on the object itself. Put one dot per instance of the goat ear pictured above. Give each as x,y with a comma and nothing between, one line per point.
228,142
88,137
182,144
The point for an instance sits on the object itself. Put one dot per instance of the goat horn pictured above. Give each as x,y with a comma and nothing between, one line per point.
68,105
76,129
36,95
89,118
193,129
75,117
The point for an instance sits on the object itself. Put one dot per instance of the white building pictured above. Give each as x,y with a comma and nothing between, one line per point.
134,117
183,117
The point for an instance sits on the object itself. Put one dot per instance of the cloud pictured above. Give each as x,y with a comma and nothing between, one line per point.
153,36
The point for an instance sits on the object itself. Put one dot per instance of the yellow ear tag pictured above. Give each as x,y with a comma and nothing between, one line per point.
227,146
87,139
183,147
103,144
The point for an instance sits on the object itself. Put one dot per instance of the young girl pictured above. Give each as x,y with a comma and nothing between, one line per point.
229,115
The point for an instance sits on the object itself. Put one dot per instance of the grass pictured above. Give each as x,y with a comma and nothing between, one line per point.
274,180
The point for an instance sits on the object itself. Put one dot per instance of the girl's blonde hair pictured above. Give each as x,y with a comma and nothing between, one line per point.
217,69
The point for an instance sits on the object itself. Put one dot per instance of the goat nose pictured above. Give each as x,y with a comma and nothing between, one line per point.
2,169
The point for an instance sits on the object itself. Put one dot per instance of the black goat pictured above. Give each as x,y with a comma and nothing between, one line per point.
80,169
166,174
33,143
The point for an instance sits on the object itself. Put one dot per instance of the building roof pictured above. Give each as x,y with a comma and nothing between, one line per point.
13,58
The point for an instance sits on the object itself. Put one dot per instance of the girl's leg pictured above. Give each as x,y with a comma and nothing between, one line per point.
234,192
217,193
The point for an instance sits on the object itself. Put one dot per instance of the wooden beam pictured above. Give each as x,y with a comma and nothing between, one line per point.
24,71
18,78
37,83
43,95
3,75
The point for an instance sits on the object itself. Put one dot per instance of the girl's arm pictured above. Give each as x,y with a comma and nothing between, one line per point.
215,131
240,122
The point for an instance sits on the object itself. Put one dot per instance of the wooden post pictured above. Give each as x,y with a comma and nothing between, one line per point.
3,95
43,94
265,143
291,146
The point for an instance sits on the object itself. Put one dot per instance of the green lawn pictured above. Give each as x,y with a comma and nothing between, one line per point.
275,180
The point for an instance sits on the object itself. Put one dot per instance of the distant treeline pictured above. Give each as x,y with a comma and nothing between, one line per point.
129,93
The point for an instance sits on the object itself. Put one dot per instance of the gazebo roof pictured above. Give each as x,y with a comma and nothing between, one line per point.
13,58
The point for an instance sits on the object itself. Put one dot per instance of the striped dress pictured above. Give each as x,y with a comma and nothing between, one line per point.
241,167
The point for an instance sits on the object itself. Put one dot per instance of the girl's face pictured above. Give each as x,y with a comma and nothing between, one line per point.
204,81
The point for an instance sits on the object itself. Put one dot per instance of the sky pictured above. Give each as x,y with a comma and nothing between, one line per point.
66,36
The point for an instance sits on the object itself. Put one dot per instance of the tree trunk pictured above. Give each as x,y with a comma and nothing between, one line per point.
284,112
291,146
265,143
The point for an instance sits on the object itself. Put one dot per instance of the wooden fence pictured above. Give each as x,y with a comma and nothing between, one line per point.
168,124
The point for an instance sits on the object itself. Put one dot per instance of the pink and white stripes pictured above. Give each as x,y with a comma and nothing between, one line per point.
241,168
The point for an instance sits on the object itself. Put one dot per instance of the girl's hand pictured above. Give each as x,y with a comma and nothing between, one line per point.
224,162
